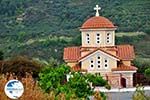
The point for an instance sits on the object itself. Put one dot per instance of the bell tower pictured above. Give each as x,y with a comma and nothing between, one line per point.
98,31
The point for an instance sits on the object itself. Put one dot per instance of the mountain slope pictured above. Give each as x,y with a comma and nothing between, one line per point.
25,21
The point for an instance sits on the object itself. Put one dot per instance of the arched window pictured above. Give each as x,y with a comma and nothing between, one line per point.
108,38
98,38
87,38
91,64
106,65
98,61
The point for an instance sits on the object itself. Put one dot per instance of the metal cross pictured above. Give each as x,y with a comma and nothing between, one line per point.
97,8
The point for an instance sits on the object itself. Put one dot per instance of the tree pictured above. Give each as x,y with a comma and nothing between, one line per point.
53,78
78,85
20,66
1,55
96,80
147,73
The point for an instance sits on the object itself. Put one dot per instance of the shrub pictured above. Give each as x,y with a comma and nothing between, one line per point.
78,86
32,90
96,80
139,94
147,73
141,64
107,86
51,78
19,66
99,96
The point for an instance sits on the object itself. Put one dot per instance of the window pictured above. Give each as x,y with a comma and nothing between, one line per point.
87,38
108,38
98,38
98,62
91,64
105,63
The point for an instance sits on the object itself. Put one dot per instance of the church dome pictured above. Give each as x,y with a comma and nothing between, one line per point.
97,22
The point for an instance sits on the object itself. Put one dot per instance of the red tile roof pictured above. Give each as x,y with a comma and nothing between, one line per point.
125,68
125,52
97,22
71,53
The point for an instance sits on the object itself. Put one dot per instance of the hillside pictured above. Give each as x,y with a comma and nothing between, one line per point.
42,28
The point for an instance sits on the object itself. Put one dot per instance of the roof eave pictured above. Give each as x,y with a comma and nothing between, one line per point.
80,59
97,28
130,59
67,60
125,71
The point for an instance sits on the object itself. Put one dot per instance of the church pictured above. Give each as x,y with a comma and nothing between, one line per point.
99,55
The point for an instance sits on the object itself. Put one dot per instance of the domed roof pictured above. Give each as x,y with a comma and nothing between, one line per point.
97,22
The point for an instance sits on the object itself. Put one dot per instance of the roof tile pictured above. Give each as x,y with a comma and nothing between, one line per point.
97,22
125,52
71,53
125,68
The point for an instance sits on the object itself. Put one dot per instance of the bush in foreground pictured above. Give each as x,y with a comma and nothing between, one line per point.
77,86
139,94
32,90
20,65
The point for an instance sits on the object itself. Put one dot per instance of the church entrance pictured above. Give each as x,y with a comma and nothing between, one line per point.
123,82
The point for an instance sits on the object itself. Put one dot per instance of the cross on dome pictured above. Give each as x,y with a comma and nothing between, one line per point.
97,8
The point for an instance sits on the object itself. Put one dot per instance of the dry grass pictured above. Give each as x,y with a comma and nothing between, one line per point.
31,92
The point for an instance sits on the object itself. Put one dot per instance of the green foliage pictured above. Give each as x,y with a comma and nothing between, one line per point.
142,64
80,83
78,86
53,62
51,78
39,16
1,55
103,95
99,96
147,31
96,80
107,86
77,40
55,79
129,39
139,94
147,73
39,19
